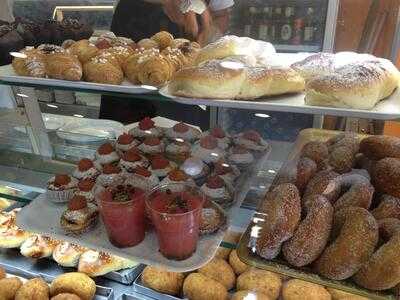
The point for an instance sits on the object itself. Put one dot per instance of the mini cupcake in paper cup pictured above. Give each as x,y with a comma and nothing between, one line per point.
61,188
125,142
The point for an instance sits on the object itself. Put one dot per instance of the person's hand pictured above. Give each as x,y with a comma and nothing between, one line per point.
172,10
190,24
206,28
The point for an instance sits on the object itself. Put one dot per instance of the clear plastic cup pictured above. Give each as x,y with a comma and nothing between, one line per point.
123,220
175,211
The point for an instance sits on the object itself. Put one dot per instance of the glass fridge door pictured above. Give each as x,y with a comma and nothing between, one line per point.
290,25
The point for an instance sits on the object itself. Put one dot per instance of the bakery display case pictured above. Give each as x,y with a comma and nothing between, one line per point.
214,178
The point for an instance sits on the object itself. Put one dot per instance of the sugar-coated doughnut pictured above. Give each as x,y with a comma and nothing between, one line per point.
389,207
315,150
386,176
380,146
312,234
323,183
382,271
356,190
305,170
296,289
388,227
342,159
356,240
282,210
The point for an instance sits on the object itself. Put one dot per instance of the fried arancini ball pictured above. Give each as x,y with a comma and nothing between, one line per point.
244,295
200,287
34,289
341,295
296,289
75,283
219,270
238,266
66,296
2,273
162,280
8,287
261,281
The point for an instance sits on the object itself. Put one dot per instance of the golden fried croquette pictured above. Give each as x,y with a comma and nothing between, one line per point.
219,270
261,281
238,266
341,295
223,253
8,288
75,283
162,280
2,273
296,289
230,237
200,287
34,289
244,295
66,296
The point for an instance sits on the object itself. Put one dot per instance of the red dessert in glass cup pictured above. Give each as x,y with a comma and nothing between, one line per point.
122,209
176,217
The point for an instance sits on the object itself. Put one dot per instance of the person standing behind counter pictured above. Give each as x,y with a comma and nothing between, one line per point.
197,20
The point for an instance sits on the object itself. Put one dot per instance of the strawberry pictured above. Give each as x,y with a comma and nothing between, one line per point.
77,202
62,179
111,169
142,171
131,155
215,182
159,162
86,185
181,127
146,124
208,142
152,141
125,139
106,148
85,164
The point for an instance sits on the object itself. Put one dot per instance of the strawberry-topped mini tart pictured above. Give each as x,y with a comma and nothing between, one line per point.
143,179
152,146
161,166
207,150
106,154
132,159
228,172
146,128
183,131
110,176
251,140
178,150
86,189
80,215
223,139
177,176
217,190
86,170
241,157
197,169
125,142
61,188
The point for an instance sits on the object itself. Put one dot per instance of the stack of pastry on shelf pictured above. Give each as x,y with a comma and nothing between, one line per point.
66,254
109,59
336,210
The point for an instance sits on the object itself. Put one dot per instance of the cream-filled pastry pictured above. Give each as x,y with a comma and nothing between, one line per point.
152,146
161,166
86,170
125,142
143,179
207,150
132,159
38,246
251,140
183,131
218,190
178,179
240,156
146,128
106,154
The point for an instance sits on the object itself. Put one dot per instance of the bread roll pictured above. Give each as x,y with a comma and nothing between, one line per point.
67,254
359,85
84,50
74,283
269,81
214,80
38,246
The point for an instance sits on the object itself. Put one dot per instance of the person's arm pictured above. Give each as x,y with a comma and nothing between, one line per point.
221,19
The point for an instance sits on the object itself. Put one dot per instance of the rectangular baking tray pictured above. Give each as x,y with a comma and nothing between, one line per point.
282,267
102,293
387,109
42,216
8,76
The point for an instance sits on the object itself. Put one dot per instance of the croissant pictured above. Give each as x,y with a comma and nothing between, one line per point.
147,44
84,50
101,70
155,71
132,64
164,39
63,66
31,63
175,57
120,53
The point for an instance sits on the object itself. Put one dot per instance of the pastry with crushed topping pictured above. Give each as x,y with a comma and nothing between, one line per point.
146,128
178,150
218,191
67,254
79,216
132,159
152,146
86,170
161,166
106,154
86,188
183,131
38,246
125,142
143,179
179,179
60,188
251,140
241,157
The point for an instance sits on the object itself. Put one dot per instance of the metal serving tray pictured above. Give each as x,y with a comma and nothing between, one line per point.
281,266
8,76
102,293
39,213
387,109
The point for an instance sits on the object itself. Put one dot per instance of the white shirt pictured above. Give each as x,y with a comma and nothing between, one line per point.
220,4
